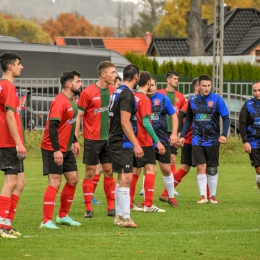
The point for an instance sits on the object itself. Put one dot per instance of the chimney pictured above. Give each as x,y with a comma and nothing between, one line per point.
226,9
204,25
148,38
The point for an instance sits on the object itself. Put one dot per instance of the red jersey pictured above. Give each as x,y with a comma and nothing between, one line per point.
93,102
188,136
9,100
63,109
144,108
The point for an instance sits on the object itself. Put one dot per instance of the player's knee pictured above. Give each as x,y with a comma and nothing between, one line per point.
212,171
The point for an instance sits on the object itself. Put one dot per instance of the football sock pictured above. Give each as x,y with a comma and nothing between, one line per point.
5,204
202,183
124,199
66,199
149,189
257,178
212,183
133,188
173,168
13,207
169,185
109,188
49,203
87,186
117,202
95,181
165,192
178,176
143,186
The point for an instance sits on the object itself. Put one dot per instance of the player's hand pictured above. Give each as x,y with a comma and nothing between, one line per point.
222,139
247,147
58,157
138,151
75,148
160,148
21,151
173,139
181,142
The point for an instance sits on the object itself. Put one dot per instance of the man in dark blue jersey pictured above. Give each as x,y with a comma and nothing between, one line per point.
122,142
204,111
249,127
162,106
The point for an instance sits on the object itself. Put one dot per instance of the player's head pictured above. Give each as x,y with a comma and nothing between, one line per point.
71,80
256,89
153,88
204,84
117,81
145,79
172,78
131,74
107,72
10,61
195,85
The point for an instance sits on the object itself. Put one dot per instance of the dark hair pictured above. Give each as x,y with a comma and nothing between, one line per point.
255,82
8,58
145,76
66,76
154,80
170,73
204,77
117,78
194,82
104,65
129,72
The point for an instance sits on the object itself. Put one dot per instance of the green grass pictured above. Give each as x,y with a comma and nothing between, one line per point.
229,230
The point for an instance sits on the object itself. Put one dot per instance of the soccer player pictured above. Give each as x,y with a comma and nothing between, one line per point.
249,127
145,137
204,111
12,150
93,108
117,82
161,106
178,100
122,142
59,147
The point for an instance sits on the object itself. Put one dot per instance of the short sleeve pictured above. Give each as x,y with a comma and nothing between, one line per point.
83,101
169,107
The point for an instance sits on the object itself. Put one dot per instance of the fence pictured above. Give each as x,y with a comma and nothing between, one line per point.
37,94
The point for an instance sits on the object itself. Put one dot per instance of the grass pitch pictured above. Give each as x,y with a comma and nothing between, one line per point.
229,230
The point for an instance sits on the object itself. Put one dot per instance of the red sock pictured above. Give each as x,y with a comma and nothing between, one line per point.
13,207
178,176
95,181
173,168
87,186
66,199
149,189
133,188
109,188
49,203
5,204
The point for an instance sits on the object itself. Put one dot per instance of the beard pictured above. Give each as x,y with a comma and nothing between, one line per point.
76,91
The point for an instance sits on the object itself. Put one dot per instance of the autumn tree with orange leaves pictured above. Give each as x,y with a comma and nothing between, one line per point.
71,24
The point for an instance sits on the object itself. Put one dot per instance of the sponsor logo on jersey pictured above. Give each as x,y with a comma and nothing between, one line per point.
70,109
100,110
203,117
257,121
137,99
96,98
156,102
71,121
210,103
177,100
2,88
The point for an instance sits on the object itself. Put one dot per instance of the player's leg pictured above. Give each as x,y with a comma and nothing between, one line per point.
255,162
96,179
136,174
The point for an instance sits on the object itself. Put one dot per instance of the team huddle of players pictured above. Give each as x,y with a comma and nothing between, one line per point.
127,127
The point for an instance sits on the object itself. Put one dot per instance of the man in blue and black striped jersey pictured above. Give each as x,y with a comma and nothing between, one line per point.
203,113
249,127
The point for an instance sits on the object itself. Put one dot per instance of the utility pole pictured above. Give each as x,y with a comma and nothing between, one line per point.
218,38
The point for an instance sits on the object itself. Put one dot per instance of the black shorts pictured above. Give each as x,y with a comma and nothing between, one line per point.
205,154
9,162
148,158
173,149
255,157
186,154
50,167
122,159
163,158
95,152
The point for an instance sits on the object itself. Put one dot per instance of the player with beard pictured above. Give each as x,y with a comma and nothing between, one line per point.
122,142
59,148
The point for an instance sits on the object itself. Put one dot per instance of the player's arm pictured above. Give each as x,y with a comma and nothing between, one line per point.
11,122
243,121
128,130
226,120
78,122
174,135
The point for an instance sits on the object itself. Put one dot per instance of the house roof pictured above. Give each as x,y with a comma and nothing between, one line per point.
120,45
241,35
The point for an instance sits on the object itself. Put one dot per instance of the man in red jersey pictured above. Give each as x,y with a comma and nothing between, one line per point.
12,150
177,100
59,148
93,108
145,137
